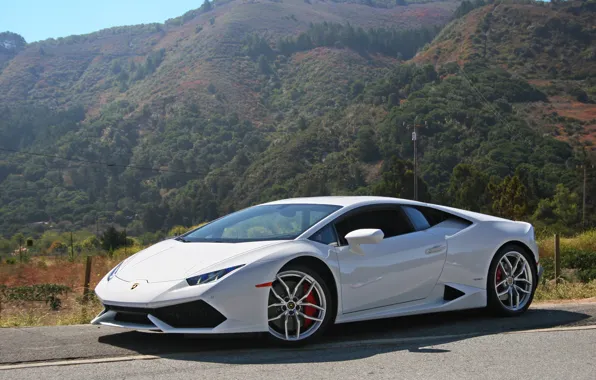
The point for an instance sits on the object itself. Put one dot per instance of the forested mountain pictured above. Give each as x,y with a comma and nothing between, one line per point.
240,102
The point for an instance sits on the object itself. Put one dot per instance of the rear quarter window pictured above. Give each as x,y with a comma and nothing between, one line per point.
417,218
434,216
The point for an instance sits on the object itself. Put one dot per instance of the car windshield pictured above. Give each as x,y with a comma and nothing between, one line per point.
265,222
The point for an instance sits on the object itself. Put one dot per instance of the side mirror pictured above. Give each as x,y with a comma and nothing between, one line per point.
364,236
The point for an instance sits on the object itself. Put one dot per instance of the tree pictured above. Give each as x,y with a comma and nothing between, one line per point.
357,88
111,239
206,7
302,123
563,208
11,42
397,180
509,198
393,100
367,147
264,67
467,187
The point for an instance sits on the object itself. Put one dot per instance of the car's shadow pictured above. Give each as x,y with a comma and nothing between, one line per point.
345,341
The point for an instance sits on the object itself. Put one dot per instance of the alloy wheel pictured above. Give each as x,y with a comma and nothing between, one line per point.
513,281
297,306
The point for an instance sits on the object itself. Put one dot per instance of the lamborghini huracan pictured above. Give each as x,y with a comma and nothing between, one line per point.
290,268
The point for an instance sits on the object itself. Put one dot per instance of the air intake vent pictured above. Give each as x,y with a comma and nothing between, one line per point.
195,314
451,293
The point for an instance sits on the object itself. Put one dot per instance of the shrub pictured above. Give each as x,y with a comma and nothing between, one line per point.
177,231
583,261
57,247
44,292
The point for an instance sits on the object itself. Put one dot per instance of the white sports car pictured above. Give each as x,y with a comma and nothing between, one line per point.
293,267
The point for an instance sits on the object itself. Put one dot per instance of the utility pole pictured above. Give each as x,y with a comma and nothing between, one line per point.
584,166
415,139
584,202
415,166
71,247
20,249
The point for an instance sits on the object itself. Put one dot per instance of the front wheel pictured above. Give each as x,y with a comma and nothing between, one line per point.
512,281
300,306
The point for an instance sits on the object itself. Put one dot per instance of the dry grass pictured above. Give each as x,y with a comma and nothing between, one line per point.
565,291
22,314
60,270
585,241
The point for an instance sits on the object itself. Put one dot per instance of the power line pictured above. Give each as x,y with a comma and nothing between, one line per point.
487,103
108,164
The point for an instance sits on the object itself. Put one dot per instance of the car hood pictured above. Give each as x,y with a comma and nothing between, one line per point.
175,260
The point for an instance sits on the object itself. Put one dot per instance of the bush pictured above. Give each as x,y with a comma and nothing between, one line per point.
44,292
583,261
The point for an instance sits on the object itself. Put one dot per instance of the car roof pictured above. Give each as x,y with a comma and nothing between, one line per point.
345,201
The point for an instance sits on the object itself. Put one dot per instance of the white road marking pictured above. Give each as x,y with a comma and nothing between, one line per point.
78,362
346,344
553,329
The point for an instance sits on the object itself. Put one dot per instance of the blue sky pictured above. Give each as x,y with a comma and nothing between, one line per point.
40,19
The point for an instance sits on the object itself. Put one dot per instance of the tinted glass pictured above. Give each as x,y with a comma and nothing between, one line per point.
266,222
433,216
325,235
417,218
391,221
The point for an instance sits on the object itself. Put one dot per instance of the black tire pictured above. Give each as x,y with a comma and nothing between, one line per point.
494,305
330,312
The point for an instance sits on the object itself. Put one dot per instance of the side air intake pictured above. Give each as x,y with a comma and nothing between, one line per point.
451,293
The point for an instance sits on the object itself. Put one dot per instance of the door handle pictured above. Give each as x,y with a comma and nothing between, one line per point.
435,249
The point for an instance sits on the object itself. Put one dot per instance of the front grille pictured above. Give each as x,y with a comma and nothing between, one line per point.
195,314
139,319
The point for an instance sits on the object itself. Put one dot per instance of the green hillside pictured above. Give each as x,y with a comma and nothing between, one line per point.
153,126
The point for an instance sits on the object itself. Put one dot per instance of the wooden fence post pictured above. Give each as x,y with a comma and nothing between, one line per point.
557,259
87,278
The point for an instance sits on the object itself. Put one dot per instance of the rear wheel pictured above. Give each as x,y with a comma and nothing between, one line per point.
300,306
511,281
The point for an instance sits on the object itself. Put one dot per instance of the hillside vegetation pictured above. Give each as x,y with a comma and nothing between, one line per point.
240,102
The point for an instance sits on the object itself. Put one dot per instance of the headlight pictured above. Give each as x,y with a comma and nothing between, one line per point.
211,276
113,272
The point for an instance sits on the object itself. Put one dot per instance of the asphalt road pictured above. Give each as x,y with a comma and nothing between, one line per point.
548,342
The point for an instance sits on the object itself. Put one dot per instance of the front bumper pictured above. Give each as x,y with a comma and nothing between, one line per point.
197,316
238,305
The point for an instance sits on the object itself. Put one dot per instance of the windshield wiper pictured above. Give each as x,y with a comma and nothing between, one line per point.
180,238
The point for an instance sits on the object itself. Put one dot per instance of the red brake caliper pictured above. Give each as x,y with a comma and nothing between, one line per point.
309,310
499,274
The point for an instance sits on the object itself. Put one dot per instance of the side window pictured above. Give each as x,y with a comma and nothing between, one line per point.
417,218
391,221
434,216
325,236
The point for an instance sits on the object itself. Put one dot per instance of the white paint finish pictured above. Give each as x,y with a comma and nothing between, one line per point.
402,275
176,260
396,270
433,303
363,236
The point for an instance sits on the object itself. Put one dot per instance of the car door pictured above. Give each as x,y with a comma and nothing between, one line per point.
403,267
